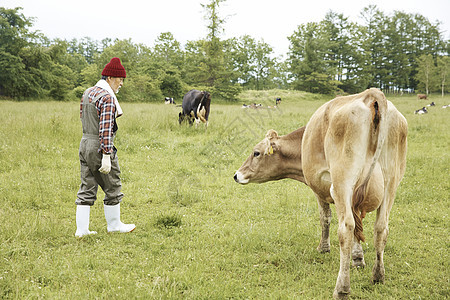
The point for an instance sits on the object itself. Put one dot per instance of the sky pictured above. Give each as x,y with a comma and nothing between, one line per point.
142,21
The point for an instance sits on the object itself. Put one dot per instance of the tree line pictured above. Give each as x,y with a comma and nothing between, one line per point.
398,53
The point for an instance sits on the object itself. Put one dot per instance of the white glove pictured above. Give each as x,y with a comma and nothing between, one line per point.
106,164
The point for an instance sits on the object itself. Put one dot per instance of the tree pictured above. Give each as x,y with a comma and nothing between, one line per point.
12,76
251,62
60,81
406,37
308,52
172,86
399,30
14,34
373,46
61,54
443,71
426,72
141,88
214,47
281,79
238,55
90,75
168,49
345,52
196,68
264,65
87,48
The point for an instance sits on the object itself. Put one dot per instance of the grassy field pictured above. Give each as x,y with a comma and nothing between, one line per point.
199,234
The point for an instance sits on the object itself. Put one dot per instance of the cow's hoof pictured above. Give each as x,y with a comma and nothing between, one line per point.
378,280
342,289
340,295
377,275
323,249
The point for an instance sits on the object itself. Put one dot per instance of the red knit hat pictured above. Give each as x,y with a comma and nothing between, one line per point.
114,68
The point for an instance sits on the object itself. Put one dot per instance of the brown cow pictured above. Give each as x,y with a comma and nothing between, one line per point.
422,96
351,153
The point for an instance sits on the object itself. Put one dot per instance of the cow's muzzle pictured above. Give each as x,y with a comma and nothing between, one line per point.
239,178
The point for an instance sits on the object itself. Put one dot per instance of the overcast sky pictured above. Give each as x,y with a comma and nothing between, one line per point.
144,20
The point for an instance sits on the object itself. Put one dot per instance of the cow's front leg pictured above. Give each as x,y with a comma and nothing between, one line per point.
325,220
357,255
192,118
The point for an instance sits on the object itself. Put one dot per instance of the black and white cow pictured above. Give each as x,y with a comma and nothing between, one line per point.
169,100
196,106
253,105
421,111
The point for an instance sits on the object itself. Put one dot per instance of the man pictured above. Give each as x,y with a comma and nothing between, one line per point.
98,160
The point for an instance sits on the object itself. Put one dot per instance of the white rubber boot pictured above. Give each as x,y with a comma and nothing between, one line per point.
112,216
83,213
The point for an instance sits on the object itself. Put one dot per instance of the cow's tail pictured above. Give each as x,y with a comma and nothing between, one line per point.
377,103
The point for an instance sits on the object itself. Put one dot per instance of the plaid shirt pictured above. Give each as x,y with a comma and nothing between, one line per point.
106,111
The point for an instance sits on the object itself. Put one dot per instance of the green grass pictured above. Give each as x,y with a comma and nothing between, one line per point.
199,234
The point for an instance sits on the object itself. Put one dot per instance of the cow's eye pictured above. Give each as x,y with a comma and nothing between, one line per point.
256,154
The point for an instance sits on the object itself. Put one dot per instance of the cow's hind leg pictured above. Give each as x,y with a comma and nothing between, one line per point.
380,237
325,220
381,232
342,198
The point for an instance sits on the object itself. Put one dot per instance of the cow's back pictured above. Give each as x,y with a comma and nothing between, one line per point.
189,101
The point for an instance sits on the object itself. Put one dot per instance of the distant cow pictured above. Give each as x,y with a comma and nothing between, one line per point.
421,111
253,105
422,96
196,107
432,104
277,101
351,153
169,100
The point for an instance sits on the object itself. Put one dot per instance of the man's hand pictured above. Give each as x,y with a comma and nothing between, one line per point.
106,164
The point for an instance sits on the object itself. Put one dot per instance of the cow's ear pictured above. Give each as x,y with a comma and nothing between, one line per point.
273,147
271,134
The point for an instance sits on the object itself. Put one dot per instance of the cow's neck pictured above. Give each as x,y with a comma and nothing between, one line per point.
292,156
